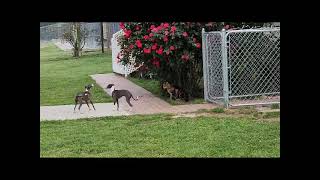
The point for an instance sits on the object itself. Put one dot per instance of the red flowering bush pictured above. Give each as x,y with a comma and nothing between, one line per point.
171,50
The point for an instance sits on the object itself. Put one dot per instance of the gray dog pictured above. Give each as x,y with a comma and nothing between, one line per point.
116,94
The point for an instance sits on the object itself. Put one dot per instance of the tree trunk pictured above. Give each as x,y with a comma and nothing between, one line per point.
76,48
102,45
75,53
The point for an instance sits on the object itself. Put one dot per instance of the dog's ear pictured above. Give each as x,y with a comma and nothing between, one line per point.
110,85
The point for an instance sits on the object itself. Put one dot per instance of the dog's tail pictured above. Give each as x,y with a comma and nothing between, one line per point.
137,98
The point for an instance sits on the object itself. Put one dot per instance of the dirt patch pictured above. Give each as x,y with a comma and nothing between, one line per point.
206,114
191,115
269,119
232,113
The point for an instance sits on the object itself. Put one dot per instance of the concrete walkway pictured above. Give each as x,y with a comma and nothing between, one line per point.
64,112
147,104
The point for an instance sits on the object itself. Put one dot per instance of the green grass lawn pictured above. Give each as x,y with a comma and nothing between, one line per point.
62,76
215,135
154,87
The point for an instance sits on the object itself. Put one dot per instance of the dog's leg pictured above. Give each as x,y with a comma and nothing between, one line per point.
128,101
114,102
114,106
117,105
76,102
88,105
80,105
92,105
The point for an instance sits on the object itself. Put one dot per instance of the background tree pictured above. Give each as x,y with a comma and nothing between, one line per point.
76,36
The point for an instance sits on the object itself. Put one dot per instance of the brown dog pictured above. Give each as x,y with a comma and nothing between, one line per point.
173,91
84,97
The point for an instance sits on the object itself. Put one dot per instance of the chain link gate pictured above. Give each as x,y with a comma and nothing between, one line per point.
242,67
212,66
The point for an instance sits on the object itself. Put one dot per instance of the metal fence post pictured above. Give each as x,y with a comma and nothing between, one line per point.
225,69
204,62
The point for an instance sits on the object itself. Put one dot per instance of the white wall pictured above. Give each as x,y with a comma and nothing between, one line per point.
116,66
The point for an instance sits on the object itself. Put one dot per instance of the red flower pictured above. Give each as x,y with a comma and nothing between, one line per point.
168,52
166,25
154,47
173,29
150,35
156,29
147,51
152,27
172,48
198,45
138,27
131,46
138,43
121,25
146,37
185,34
194,40
185,57
166,33
159,51
165,38
127,33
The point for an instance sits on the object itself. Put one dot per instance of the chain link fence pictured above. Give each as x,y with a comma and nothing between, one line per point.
242,67
54,32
